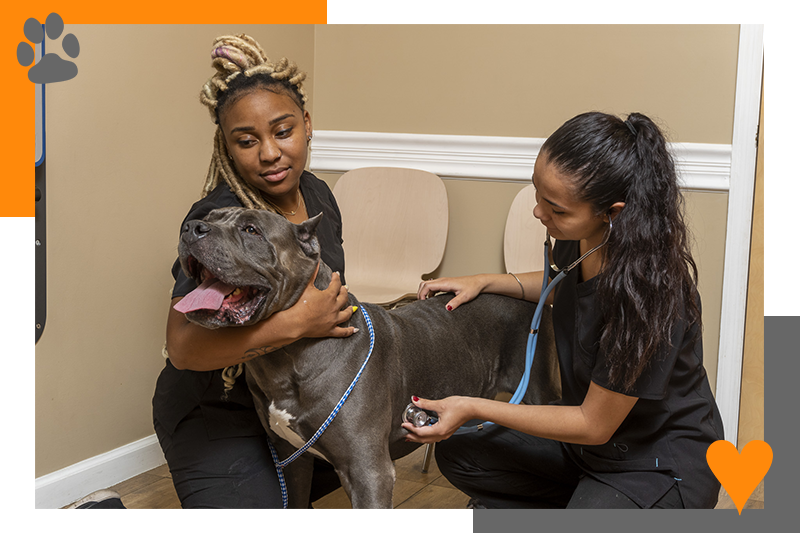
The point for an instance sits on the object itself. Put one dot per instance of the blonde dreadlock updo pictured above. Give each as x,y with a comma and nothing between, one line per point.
242,66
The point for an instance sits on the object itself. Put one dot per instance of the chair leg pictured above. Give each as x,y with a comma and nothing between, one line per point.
426,462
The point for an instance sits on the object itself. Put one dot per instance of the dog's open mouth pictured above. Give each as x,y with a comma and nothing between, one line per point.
217,302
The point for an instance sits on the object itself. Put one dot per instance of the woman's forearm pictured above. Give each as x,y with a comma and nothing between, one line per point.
591,423
317,313
193,347
467,288
557,422
528,283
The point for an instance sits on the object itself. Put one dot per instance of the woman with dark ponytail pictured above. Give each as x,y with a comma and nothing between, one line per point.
637,413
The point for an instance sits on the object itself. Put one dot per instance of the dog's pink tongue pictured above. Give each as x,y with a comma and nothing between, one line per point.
209,295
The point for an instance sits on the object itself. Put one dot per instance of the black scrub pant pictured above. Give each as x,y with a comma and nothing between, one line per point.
228,473
507,469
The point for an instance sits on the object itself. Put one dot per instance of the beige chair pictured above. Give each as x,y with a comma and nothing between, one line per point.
523,244
394,230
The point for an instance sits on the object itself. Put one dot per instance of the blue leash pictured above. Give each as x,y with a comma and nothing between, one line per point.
280,465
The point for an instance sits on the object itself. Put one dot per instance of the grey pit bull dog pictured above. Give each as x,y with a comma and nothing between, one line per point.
252,263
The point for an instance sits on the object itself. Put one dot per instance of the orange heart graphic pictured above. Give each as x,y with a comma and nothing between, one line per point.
740,474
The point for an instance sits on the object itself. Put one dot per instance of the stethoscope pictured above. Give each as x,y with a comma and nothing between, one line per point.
547,287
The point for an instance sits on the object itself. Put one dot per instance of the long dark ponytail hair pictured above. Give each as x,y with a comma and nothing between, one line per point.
648,279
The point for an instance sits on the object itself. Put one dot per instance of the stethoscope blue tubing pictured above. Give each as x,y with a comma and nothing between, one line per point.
533,336
547,288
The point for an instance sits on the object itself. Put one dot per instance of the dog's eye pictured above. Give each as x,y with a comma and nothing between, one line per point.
251,230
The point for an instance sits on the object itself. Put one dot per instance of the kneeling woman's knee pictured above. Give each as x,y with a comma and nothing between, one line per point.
450,455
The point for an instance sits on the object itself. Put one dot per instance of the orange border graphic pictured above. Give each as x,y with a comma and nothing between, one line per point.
17,92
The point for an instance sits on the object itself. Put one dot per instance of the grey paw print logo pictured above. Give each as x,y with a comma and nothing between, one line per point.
51,68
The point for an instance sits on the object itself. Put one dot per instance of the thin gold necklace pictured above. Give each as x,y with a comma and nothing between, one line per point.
293,213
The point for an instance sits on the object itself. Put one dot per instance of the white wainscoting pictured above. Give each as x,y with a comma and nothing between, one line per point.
701,167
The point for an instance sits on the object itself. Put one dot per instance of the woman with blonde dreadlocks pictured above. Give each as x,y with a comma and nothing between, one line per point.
204,417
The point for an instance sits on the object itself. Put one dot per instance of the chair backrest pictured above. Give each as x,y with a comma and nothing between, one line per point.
394,227
523,244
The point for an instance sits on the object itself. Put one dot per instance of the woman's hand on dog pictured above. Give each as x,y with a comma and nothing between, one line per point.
527,286
465,288
452,411
318,313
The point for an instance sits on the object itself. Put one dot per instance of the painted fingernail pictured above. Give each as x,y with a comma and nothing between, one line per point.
355,330
355,308
449,307
414,398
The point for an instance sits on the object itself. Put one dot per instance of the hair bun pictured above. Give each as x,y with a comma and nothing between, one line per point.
236,53
232,55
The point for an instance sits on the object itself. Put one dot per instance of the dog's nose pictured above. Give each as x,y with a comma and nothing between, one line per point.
194,230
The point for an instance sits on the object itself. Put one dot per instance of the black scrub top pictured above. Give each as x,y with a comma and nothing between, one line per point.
179,392
665,437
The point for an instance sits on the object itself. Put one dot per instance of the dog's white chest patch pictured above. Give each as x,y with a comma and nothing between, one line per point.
279,422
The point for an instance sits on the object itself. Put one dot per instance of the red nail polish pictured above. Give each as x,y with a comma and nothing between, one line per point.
415,398
449,307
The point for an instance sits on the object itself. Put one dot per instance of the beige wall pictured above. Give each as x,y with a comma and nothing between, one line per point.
128,147
524,81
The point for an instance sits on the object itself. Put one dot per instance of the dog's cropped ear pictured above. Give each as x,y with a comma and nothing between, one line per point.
306,233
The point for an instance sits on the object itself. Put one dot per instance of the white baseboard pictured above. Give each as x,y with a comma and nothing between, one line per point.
72,483
701,167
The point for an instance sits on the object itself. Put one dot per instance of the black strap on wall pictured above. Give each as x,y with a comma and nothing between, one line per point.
40,225
41,250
